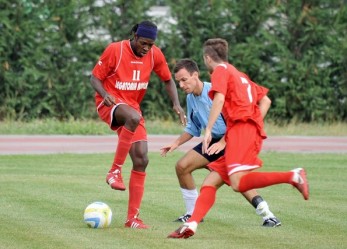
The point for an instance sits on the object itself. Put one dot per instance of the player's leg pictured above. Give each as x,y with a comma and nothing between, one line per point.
207,196
252,196
139,157
261,208
126,119
191,161
204,203
296,177
242,157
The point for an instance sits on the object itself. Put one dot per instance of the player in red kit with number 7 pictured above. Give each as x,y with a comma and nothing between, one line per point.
120,79
235,95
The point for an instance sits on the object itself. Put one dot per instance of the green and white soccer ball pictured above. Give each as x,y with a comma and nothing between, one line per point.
98,215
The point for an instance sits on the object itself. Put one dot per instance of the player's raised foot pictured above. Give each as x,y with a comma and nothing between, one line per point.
299,181
115,180
185,231
135,223
271,222
183,218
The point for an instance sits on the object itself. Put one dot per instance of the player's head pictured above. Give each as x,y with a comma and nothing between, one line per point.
145,34
215,51
187,76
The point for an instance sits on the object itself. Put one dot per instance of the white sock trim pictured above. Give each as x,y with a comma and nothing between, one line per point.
264,210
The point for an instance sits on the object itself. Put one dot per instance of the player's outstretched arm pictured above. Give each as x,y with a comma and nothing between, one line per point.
179,141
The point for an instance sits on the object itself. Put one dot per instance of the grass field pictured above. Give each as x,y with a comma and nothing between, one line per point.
42,198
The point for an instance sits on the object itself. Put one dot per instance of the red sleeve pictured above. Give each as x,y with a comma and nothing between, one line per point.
261,92
107,62
160,66
219,80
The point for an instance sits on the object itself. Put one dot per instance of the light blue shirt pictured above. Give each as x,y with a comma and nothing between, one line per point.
198,110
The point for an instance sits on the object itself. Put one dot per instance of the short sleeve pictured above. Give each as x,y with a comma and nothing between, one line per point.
106,63
219,80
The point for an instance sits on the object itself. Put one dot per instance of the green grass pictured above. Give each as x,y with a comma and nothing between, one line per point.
97,127
42,198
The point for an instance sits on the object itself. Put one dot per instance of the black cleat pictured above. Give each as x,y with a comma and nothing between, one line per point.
271,222
183,218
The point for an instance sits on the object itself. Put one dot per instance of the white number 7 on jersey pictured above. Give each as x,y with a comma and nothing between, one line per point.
245,81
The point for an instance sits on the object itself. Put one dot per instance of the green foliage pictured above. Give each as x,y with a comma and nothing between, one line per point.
295,48
48,49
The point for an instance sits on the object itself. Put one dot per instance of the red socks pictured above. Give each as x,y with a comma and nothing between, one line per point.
123,147
254,180
136,189
204,203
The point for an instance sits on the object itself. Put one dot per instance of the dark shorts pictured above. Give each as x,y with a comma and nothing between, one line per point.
210,158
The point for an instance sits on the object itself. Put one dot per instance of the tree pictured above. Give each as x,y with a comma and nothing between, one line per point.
295,48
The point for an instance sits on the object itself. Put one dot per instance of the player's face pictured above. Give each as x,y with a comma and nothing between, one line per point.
141,45
186,80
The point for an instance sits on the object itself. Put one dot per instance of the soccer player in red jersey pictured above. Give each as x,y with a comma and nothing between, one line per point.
235,95
120,79
186,74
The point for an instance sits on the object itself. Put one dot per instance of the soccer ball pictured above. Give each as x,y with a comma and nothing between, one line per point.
98,215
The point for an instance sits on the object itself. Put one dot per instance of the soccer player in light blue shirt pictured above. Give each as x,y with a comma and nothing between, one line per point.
198,109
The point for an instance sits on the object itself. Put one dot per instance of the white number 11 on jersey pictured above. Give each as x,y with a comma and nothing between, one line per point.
136,75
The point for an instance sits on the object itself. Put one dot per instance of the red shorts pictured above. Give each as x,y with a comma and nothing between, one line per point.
220,168
241,152
106,114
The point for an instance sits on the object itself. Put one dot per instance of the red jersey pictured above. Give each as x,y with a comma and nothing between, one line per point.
126,76
241,95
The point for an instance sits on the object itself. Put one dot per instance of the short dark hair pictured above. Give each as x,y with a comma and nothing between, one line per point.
187,64
217,49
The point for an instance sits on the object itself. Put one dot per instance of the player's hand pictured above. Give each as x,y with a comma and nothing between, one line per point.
109,100
216,147
206,141
180,112
166,149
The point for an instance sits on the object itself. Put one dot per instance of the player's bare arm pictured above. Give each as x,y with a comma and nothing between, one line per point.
98,87
264,105
172,91
179,141
217,105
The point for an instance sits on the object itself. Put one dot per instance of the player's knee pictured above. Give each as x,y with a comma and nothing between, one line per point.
235,186
181,168
144,161
140,163
133,121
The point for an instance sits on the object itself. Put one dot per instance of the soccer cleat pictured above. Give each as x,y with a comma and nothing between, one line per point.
115,180
299,181
271,222
135,223
183,218
185,231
